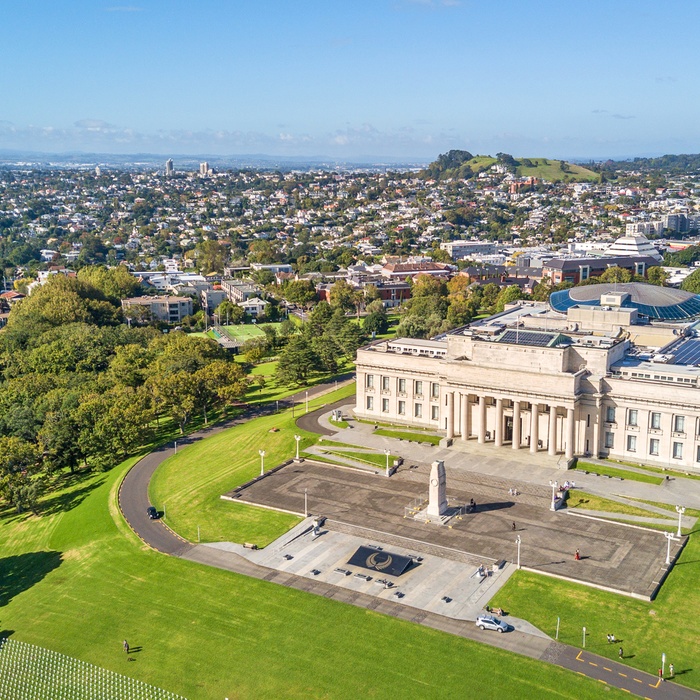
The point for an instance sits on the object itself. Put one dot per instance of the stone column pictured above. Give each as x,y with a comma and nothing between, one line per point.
570,431
552,446
464,416
498,437
516,425
450,415
595,451
481,435
534,427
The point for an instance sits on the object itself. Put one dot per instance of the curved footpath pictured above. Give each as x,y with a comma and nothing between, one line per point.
133,502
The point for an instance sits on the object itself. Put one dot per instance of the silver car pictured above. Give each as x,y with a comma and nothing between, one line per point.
488,622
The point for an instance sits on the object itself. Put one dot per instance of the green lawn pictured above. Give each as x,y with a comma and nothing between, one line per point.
78,581
408,435
246,331
377,460
605,470
588,501
645,630
191,482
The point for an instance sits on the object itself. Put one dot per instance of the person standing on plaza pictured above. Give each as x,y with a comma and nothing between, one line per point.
577,556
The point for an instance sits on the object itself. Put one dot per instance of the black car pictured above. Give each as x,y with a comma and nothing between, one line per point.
152,513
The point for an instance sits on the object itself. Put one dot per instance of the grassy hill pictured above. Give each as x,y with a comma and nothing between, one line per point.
551,170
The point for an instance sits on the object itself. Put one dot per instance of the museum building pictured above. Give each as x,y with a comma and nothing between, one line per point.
600,370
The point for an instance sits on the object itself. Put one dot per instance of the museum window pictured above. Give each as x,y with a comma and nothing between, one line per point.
370,403
434,412
435,390
610,414
677,450
632,417
697,454
631,443
678,424
655,421
418,388
654,447
385,383
369,381
609,440
402,408
402,386
418,410
385,405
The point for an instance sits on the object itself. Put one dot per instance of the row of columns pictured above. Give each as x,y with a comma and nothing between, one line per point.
465,427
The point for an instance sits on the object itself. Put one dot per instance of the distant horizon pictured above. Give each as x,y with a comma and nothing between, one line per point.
402,80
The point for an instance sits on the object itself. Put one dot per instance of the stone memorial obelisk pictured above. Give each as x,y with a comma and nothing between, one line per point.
437,501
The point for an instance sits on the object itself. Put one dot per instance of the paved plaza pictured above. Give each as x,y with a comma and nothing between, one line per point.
373,507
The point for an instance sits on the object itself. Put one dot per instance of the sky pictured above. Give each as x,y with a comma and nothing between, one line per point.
402,79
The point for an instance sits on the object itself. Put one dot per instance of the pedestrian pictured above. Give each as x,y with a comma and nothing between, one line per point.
513,527
126,646
671,670
612,638
609,636
661,675
577,556
620,654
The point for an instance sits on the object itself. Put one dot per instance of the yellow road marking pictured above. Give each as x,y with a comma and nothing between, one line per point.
624,675
582,674
637,679
578,656
607,669
592,664
601,681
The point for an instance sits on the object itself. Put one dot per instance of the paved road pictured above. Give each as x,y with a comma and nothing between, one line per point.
133,501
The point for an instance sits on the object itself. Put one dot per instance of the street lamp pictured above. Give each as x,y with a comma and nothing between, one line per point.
297,438
555,486
306,504
669,536
307,400
680,510
262,461
387,453
518,541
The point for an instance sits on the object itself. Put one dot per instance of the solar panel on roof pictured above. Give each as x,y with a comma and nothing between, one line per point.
534,339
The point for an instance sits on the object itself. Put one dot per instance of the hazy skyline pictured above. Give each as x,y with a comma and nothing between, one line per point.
397,78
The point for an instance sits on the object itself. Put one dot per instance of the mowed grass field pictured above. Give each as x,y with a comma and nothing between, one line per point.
78,581
246,331
645,630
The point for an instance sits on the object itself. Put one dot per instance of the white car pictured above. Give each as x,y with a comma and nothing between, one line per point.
488,622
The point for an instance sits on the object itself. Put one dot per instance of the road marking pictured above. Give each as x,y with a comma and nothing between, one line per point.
601,681
625,689
578,656
624,675
592,664
637,679
607,669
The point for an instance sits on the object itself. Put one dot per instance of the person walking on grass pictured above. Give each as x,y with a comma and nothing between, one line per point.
671,670
126,646
620,653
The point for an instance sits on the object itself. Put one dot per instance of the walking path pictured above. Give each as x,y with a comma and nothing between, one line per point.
133,501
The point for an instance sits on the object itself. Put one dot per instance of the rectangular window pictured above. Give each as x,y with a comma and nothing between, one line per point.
677,450
435,412
402,386
610,440
369,381
402,408
435,390
610,414
385,383
418,388
631,443
655,421
679,424
654,447
697,455
588,420
632,417
370,403
385,405
418,410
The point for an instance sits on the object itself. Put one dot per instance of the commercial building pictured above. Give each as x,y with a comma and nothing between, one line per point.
164,308
615,374
465,249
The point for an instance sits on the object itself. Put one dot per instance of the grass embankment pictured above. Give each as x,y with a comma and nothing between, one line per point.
676,473
78,581
191,482
605,470
407,435
644,630
374,459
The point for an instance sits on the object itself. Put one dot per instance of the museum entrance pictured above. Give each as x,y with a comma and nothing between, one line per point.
509,429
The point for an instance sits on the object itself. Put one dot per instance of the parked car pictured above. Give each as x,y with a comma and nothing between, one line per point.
488,622
152,513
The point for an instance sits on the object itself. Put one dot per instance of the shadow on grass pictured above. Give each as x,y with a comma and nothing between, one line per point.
20,572
62,502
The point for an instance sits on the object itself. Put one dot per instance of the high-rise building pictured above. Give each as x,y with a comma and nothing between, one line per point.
98,171
169,170
204,169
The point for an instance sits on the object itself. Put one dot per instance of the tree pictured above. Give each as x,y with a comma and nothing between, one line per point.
254,350
212,257
657,275
295,362
428,285
342,296
692,283
176,392
615,274
115,283
219,381
228,312
299,292
508,295
21,480
375,323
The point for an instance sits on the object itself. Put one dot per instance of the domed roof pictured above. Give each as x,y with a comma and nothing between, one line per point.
634,246
662,303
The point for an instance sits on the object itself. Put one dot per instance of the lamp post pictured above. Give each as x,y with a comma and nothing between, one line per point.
306,504
555,486
307,400
297,438
262,461
518,540
669,537
680,510
175,446
584,637
387,453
